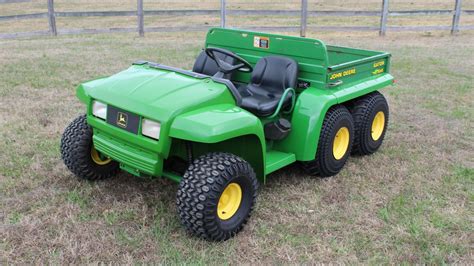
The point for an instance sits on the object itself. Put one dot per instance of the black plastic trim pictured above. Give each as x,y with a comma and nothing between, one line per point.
177,70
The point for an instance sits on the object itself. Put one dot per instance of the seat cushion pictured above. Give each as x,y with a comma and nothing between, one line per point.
272,75
262,105
205,65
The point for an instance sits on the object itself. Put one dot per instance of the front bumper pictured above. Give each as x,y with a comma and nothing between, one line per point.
131,159
131,151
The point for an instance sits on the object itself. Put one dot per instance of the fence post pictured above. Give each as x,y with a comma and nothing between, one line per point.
141,26
457,14
304,17
223,13
52,18
383,18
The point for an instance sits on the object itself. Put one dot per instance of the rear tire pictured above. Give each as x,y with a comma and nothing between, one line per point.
216,196
370,115
80,156
335,142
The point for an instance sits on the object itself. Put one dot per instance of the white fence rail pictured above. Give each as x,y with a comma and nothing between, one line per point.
304,13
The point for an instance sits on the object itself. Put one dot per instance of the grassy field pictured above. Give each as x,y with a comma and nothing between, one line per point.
411,202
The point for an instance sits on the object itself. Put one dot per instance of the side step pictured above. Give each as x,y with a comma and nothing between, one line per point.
275,160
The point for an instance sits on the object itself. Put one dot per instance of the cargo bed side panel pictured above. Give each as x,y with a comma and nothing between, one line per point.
355,71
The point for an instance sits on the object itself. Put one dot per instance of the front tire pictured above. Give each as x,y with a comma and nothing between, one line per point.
216,196
335,142
80,156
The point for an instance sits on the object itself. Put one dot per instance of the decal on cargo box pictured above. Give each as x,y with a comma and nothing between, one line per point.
377,71
379,63
261,42
343,74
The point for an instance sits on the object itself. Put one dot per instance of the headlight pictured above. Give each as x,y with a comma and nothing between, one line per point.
151,128
99,109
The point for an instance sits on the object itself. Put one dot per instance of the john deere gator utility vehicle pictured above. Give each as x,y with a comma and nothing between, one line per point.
253,103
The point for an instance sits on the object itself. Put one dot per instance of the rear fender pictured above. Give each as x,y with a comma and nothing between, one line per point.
311,108
306,122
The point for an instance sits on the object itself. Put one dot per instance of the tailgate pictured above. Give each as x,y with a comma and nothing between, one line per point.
351,72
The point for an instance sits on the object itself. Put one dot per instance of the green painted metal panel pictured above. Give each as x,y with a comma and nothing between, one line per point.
310,54
352,66
364,86
276,160
223,127
312,105
156,93
172,176
216,123
340,54
126,137
137,161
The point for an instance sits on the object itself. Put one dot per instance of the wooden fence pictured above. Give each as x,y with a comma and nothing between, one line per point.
303,12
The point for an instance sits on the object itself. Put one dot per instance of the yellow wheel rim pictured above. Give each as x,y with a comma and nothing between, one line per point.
341,143
229,202
97,158
378,125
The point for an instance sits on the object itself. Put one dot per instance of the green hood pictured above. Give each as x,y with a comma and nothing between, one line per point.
155,93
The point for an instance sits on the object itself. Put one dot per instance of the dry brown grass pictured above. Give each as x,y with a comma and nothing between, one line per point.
411,202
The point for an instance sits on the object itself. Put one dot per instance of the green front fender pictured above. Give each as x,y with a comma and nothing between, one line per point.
224,127
216,123
81,89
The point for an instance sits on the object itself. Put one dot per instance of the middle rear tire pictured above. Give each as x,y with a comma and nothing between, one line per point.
335,142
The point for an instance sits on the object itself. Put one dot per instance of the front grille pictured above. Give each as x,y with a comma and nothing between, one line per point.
123,119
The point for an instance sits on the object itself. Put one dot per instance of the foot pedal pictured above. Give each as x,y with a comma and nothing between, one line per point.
277,130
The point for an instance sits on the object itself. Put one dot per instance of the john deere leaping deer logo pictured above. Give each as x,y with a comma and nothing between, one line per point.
122,119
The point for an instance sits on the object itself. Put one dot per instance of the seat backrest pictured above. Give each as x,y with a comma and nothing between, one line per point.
205,65
275,73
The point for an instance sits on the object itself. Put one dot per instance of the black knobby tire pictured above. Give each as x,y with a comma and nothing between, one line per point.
76,145
363,111
201,187
325,164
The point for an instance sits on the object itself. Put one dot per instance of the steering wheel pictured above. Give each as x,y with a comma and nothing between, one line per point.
225,67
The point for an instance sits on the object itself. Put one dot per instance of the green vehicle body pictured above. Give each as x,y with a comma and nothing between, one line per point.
203,112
